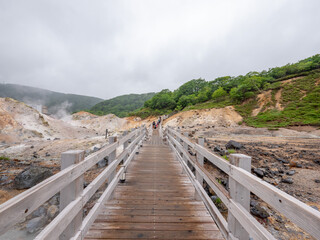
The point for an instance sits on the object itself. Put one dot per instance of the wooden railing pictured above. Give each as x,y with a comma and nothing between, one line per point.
240,224
68,224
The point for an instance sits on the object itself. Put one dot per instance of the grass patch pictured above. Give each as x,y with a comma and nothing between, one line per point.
246,109
147,112
301,99
210,104
4,158
225,157
298,112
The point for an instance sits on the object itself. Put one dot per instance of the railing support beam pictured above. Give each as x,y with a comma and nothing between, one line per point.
239,194
111,158
72,191
200,160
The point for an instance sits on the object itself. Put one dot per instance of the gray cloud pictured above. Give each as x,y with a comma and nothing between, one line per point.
107,48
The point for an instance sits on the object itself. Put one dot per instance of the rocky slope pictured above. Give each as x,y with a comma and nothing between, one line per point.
223,117
19,122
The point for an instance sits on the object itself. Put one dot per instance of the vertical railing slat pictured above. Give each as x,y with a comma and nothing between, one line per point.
239,194
72,191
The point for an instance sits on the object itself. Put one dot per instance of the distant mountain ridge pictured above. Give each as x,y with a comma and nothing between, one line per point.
55,102
121,105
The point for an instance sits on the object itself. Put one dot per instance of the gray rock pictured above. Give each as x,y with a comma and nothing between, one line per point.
233,145
55,200
31,176
317,161
290,173
36,224
282,160
3,178
259,172
259,212
41,211
219,150
253,203
53,211
287,180
102,163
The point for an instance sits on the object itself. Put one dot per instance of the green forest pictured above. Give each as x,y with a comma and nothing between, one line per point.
121,105
229,90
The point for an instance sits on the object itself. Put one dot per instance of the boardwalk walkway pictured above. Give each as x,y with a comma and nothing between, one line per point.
156,202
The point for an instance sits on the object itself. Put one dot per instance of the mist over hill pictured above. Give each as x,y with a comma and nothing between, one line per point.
57,103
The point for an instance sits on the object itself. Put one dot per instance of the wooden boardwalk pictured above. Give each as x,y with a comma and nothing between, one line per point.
156,202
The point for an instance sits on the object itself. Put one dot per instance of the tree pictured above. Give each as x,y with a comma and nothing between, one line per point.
162,100
204,95
186,100
219,94
192,87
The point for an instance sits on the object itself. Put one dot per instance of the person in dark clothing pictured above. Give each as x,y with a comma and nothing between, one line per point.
154,125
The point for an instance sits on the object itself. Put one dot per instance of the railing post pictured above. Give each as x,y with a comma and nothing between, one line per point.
239,194
125,144
179,141
71,192
185,146
111,158
200,159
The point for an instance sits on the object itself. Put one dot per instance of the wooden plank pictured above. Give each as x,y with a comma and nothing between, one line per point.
150,202
140,234
154,219
158,226
166,206
156,212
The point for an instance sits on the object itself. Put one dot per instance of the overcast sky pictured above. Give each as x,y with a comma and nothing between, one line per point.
106,48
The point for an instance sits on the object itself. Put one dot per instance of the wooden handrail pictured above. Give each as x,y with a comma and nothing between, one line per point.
298,212
20,206
56,227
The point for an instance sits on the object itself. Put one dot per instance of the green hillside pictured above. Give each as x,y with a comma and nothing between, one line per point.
53,100
121,105
297,86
